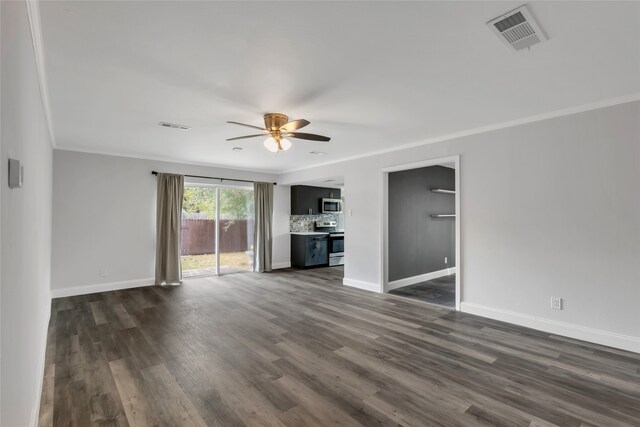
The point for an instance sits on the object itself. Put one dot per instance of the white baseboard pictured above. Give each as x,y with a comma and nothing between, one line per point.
571,330
420,278
367,286
100,287
279,265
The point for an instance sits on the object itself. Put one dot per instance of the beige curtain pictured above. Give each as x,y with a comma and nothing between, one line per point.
263,237
168,224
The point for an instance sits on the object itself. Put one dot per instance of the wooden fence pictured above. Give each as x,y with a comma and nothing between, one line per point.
198,236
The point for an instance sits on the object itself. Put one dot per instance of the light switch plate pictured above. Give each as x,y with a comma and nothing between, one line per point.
15,173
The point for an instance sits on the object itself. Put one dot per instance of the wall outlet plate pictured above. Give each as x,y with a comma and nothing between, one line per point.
556,303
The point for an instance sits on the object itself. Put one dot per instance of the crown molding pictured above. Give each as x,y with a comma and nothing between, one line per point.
33,12
274,173
278,173
483,129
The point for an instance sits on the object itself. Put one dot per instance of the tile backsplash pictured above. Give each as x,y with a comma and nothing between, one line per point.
300,223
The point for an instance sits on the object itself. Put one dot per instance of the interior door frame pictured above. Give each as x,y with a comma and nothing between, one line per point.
384,264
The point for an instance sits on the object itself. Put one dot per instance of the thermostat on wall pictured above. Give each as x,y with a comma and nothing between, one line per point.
15,173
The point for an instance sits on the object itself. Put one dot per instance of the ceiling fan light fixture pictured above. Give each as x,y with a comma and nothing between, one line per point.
285,144
277,126
271,145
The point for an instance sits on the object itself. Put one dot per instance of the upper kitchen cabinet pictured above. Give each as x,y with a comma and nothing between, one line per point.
306,200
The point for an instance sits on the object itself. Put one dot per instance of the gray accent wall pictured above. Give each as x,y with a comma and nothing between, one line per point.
418,244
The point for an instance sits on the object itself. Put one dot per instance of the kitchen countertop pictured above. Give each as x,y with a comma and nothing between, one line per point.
309,233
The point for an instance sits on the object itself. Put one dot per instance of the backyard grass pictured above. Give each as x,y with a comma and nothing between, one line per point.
239,260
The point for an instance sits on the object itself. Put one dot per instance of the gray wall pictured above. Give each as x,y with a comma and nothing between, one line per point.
104,218
548,208
26,223
418,244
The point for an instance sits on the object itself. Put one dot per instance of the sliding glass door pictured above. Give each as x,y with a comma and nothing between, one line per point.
236,229
217,230
198,235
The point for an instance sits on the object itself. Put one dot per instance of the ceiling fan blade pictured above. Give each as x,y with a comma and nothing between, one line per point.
244,124
294,125
247,136
309,136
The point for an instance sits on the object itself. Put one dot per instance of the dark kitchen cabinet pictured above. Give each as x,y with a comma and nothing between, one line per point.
306,200
309,250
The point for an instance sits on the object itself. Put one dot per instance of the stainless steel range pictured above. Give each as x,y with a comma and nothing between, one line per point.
336,241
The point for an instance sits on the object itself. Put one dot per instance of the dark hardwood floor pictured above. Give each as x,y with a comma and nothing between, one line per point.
297,348
441,291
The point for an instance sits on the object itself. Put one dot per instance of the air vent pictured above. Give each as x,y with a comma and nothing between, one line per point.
517,29
174,126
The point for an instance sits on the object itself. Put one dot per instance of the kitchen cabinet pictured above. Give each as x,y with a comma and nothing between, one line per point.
306,199
309,250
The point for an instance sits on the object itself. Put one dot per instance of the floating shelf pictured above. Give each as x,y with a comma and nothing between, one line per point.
442,190
443,215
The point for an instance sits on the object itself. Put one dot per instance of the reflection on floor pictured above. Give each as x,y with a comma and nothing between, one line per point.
198,272
203,272
440,291
327,273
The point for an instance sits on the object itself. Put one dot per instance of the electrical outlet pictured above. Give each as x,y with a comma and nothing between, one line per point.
556,303
446,260
104,272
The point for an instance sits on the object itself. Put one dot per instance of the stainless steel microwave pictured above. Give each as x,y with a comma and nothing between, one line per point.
331,205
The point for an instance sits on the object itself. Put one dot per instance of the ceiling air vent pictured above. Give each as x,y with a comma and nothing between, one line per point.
174,126
517,29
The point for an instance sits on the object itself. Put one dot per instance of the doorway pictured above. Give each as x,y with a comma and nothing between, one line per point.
217,229
317,228
421,231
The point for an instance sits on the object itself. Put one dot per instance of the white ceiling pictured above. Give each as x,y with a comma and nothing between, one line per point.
371,75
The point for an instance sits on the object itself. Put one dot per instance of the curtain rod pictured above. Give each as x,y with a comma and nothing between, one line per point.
213,177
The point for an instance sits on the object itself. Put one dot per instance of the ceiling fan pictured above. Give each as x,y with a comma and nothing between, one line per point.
277,128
